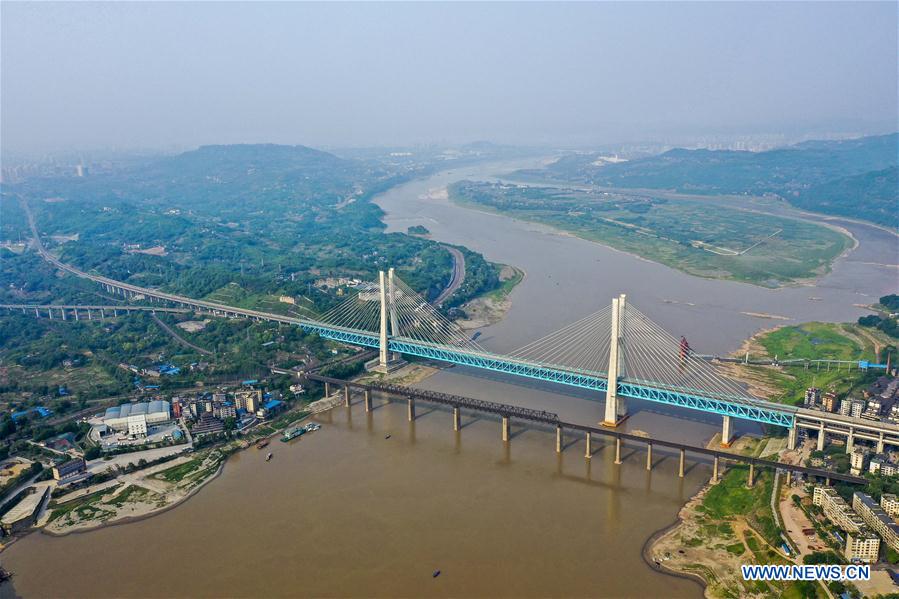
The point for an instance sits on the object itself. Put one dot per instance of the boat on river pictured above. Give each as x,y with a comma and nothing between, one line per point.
298,431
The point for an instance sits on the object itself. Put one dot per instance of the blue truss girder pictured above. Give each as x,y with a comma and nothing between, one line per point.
350,336
682,398
758,413
499,364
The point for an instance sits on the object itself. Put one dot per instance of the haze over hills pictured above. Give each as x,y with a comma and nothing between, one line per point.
845,178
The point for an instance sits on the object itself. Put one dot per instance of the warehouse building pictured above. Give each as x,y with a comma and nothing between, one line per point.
137,418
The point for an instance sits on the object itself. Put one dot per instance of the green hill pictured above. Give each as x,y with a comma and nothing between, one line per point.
854,177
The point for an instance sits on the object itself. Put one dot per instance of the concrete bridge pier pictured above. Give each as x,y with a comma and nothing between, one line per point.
327,389
559,438
76,313
850,440
715,470
102,313
617,450
346,395
506,428
751,477
821,436
367,395
683,457
727,433
36,313
880,443
410,409
89,315
115,313
50,313
589,451
793,438
649,456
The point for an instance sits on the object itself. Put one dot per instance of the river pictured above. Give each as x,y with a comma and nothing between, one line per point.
568,278
348,511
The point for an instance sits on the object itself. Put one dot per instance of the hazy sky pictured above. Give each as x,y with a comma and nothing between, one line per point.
172,74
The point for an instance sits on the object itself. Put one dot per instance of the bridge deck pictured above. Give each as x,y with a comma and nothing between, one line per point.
553,420
744,408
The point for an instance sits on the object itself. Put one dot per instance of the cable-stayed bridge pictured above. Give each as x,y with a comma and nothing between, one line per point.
617,343
617,351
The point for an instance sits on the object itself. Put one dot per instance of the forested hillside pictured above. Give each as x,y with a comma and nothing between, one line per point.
848,178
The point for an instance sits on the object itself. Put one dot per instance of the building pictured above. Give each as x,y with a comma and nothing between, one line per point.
882,465
67,469
226,410
137,425
207,425
24,514
872,410
890,504
830,402
154,413
837,510
862,547
845,407
858,460
876,519
857,407
270,408
250,400
812,397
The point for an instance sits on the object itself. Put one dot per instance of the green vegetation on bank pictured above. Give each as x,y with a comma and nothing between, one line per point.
700,238
886,321
818,341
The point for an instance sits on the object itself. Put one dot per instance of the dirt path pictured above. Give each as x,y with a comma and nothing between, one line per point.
179,338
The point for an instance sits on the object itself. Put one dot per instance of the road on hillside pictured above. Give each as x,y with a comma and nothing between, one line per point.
457,277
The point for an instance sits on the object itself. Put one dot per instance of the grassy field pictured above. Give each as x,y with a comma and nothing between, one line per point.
702,238
506,284
816,341
88,380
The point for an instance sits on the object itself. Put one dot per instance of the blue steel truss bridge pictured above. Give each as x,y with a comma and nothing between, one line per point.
617,351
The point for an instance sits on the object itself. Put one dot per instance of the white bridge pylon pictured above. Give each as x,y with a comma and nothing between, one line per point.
618,343
392,309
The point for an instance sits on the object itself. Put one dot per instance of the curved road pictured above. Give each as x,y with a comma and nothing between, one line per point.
457,277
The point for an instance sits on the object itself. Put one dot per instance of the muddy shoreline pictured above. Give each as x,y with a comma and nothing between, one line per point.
148,515
646,553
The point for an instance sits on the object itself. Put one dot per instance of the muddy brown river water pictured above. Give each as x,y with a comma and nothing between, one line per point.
347,512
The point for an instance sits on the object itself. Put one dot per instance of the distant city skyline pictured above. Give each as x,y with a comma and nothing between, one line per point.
171,76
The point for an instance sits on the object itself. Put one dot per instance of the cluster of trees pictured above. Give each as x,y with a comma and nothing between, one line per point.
887,324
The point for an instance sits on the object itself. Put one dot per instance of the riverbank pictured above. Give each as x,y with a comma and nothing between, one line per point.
756,254
493,306
844,343
725,525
